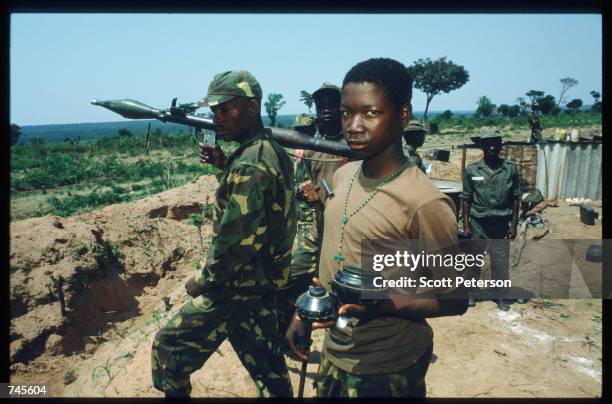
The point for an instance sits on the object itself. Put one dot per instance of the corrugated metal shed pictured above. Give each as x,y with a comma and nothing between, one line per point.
567,170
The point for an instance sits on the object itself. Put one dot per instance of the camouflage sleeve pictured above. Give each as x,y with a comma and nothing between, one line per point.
242,229
301,172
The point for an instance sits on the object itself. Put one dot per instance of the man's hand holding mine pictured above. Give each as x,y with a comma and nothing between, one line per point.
298,337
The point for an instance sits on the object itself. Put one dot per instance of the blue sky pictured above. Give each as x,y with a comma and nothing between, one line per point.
59,62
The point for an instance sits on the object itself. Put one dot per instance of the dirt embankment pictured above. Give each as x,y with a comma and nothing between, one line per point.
72,277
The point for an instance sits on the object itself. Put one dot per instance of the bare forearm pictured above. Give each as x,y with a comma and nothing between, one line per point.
465,212
515,210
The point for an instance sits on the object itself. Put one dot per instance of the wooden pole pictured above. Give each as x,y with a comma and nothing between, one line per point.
463,153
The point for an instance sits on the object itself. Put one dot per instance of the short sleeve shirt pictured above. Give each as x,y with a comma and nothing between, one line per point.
491,193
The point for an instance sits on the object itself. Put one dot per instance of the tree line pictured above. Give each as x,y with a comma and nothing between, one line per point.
435,77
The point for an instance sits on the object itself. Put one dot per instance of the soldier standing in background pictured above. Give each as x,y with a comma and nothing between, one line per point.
414,137
534,123
490,205
305,247
321,166
233,294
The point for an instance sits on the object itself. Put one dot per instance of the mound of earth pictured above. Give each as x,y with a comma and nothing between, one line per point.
71,277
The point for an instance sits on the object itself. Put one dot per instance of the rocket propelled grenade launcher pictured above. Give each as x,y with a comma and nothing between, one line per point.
133,109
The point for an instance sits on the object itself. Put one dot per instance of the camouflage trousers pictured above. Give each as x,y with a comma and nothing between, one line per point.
410,382
250,323
305,251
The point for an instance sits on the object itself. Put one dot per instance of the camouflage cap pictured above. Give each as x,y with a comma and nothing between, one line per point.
227,85
303,120
326,87
414,127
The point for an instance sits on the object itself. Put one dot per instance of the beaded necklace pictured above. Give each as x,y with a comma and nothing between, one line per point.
345,218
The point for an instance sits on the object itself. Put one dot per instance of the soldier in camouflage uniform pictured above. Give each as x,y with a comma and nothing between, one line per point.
534,123
304,123
312,169
321,166
414,137
305,246
233,294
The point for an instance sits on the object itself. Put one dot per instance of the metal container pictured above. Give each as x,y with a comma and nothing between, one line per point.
317,304
352,285
588,215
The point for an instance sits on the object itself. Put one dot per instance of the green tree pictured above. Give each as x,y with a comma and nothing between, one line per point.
307,99
574,105
534,95
125,132
547,105
503,110
514,111
523,105
596,107
485,107
446,115
273,105
15,134
437,76
566,84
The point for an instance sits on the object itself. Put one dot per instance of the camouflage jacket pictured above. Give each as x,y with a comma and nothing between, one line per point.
254,221
306,210
533,121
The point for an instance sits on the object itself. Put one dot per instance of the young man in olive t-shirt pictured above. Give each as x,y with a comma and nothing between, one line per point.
385,349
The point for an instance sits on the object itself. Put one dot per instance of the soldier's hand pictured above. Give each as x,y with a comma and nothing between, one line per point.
353,310
467,233
212,154
298,337
192,288
317,324
511,235
309,191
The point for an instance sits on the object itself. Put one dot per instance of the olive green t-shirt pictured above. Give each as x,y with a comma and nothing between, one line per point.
408,207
